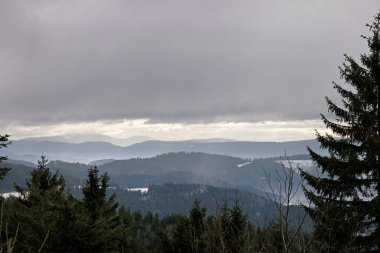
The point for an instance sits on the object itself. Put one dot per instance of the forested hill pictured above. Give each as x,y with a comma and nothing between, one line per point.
174,180
165,197
183,167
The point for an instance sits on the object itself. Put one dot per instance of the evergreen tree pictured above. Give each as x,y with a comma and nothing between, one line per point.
189,233
344,200
100,224
39,211
95,193
237,228
4,142
7,242
224,225
233,225
197,226
182,236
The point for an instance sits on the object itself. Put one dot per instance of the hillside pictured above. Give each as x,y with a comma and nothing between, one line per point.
182,167
178,198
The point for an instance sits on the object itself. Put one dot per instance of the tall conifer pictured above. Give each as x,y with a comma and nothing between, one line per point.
345,197
4,142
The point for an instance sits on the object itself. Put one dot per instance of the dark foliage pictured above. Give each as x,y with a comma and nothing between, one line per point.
4,142
345,198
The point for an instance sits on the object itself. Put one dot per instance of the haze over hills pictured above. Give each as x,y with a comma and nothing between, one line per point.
30,150
244,149
80,138
182,170
86,152
183,167
218,162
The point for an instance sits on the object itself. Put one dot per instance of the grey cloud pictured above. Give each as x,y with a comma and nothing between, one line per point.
174,61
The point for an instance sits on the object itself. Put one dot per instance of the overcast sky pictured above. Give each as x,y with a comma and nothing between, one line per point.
174,69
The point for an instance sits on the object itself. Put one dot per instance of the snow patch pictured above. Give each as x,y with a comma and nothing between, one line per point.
142,190
243,164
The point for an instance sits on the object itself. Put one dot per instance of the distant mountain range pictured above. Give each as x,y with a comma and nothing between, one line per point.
86,152
248,167
80,138
244,149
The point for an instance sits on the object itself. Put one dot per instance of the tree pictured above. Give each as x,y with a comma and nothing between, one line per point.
197,226
95,192
345,197
189,232
4,142
237,227
99,223
39,211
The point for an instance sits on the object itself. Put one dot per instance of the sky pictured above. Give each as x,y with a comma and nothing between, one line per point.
174,69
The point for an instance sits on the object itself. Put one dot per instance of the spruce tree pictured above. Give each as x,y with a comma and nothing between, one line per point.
99,222
4,142
345,197
182,235
197,226
238,226
95,192
39,211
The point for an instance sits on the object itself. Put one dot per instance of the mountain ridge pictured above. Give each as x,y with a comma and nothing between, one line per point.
86,152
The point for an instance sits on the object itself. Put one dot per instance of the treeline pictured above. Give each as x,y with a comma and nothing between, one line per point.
178,198
46,218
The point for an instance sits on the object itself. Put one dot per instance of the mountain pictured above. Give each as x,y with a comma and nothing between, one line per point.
17,175
101,162
245,149
31,150
212,140
80,138
21,162
218,170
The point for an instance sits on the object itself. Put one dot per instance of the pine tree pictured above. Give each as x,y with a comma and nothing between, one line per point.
344,199
4,142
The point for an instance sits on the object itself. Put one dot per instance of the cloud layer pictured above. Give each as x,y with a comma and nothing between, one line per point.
173,61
